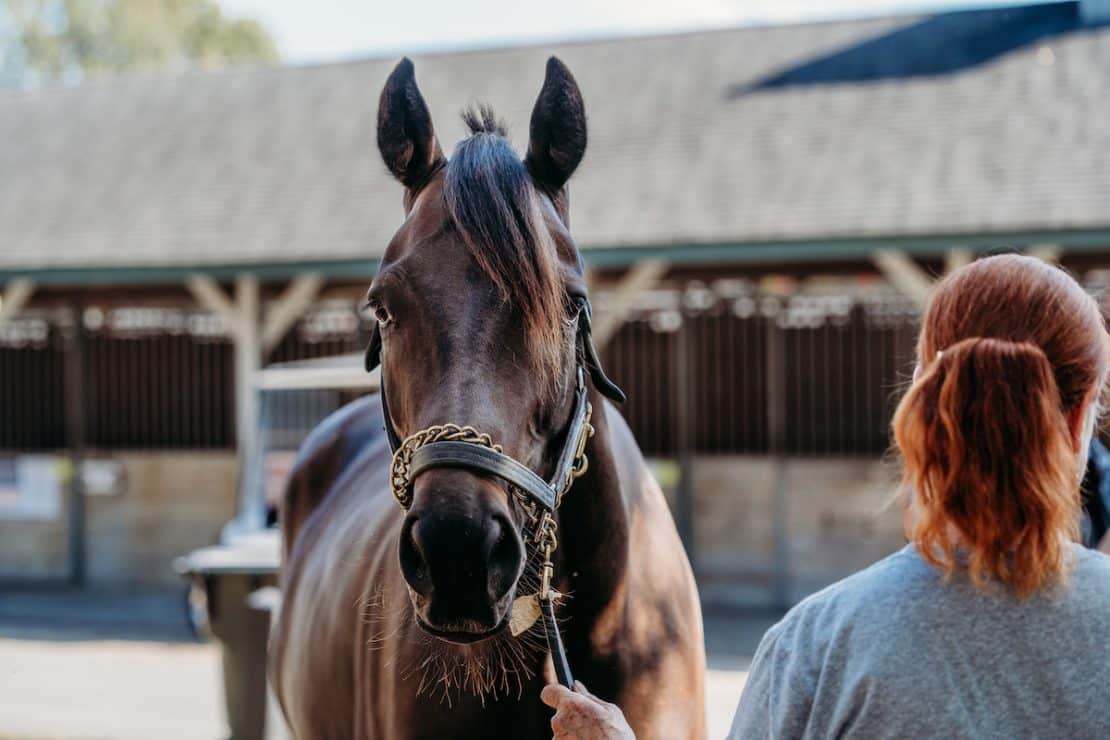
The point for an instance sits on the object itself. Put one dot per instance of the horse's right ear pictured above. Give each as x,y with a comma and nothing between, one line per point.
406,138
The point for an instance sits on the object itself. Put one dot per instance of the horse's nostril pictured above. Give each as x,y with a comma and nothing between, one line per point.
455,557
500,546
413,562
505,557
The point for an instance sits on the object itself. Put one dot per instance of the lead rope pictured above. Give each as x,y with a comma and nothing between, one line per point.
524,612
526,609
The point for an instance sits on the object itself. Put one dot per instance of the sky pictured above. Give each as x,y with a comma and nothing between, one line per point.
313,31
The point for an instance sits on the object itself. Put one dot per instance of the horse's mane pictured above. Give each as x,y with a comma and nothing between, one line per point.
494,208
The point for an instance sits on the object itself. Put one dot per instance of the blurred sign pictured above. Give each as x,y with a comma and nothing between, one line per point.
30,488
102,477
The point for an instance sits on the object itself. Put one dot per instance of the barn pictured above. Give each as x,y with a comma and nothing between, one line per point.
762,210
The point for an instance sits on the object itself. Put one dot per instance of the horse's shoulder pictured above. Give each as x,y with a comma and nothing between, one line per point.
326,453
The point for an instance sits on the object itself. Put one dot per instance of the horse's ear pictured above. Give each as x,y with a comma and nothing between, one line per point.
406,138
557,135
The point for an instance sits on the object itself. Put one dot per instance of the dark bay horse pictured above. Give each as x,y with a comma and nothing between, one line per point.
393,623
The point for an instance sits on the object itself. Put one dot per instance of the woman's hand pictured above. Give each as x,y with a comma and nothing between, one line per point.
579,715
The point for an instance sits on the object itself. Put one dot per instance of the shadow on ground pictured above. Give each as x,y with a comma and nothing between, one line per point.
61,615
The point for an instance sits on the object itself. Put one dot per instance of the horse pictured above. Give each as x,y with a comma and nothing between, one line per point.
395,620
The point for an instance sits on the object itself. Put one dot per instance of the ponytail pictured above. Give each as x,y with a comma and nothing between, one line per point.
987,449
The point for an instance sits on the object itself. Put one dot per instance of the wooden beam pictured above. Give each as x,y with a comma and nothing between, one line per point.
289,307
211,297
16,295
900,269
956,258
1046,252
642,276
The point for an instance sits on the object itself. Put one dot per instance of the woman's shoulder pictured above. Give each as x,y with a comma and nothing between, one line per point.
1092,560
904,582
1092,571
883,586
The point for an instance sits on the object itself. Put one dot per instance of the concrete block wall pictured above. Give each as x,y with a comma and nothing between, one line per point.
839,517
172,503
836,514
169,503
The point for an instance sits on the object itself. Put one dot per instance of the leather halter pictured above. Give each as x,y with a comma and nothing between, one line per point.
453,446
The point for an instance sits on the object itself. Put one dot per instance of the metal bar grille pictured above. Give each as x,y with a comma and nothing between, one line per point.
844,359
162,379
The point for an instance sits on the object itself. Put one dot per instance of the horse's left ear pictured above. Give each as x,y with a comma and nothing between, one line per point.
557,134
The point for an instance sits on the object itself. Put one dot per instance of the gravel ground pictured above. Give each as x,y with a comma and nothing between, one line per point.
80,683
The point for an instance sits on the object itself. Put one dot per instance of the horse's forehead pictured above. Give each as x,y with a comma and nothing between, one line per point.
426,234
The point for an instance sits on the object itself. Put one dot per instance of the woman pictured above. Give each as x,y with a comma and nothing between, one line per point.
993,622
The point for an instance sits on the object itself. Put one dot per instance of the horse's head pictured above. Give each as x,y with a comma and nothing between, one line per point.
477,305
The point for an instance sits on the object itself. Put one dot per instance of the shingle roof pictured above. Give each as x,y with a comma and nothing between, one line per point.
974,122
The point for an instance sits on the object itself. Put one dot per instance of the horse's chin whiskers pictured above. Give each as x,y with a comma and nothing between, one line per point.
496,667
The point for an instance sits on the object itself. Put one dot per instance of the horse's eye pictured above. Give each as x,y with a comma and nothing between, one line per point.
573,312
575,305
383,315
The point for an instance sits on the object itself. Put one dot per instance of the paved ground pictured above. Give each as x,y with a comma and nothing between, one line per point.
108,690
72,669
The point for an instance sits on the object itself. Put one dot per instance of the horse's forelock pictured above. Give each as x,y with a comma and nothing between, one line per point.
495,209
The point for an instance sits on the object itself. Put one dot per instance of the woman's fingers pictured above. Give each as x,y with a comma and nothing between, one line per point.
579,714
554,694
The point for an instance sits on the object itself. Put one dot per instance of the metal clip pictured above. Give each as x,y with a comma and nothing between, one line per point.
546,575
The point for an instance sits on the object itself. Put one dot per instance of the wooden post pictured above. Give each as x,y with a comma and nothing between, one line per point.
242,317
684,496
248,360
75,411
253,339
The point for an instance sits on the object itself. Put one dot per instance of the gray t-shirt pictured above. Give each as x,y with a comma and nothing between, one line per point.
895,652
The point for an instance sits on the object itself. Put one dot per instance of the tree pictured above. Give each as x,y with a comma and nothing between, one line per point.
66,40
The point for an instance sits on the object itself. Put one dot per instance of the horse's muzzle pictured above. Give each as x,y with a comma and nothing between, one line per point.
461,556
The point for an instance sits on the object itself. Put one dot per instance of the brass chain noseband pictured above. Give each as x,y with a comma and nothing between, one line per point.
400,476
541,528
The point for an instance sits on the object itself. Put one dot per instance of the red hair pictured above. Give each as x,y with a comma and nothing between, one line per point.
1010,348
